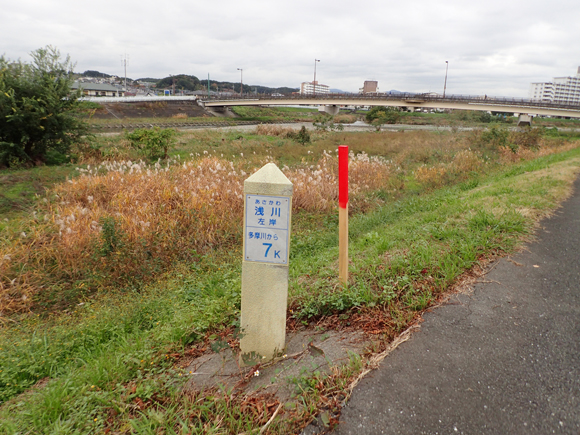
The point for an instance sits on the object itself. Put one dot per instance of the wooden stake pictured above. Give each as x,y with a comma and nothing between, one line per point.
343,214
343,244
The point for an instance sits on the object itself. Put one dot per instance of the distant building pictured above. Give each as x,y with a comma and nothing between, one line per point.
563,90
312,88
369,87
98,89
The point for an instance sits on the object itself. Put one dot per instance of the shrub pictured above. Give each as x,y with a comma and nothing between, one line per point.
465,161
274,130
495,137
303,136
374,113
153,143
325,122
527,138
37,108
431,176
345,118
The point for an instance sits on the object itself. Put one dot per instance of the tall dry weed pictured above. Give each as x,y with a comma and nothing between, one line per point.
431,176
465,161
316,186
126,222
459,167
123,222
274,130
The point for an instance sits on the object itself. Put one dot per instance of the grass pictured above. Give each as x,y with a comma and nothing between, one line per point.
113,361
20,189
177,121
243,113
277,114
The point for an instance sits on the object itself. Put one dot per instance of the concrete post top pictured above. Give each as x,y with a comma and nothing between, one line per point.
269,180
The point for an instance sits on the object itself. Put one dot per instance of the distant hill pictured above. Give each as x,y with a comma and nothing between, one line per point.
96,74
181,81
338,91
192,83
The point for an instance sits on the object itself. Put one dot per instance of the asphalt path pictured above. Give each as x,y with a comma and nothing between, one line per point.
501,359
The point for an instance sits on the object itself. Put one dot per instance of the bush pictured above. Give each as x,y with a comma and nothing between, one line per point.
303,136
527,138
37,108
379,115
325,122
496,137
153,143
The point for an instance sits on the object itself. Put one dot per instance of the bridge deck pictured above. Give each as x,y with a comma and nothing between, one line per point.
420,101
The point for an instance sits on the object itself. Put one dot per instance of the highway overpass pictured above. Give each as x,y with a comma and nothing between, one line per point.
331,103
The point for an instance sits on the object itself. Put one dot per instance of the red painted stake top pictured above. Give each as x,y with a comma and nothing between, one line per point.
342,176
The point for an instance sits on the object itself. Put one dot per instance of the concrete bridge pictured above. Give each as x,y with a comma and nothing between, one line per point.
331,103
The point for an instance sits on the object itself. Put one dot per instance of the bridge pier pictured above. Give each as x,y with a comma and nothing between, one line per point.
525,120
331,110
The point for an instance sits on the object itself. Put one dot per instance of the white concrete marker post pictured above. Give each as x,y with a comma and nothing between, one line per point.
267,219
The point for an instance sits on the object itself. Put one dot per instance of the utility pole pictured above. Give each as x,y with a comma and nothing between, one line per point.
445,85
207,85
241,81
124,63
314,82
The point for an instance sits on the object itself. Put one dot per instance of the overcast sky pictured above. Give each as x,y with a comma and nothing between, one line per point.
494,47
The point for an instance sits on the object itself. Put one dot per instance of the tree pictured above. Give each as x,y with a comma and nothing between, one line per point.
37,108
153,143
182,81
383,115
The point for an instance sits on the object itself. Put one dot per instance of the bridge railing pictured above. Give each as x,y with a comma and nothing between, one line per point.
504,101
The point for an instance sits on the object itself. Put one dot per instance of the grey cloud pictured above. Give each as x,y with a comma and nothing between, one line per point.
494,47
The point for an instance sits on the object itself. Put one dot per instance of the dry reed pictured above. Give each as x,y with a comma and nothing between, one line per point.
275,130
126,222
316,186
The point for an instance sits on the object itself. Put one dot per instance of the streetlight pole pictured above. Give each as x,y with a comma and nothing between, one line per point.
241,70
445,85
314,82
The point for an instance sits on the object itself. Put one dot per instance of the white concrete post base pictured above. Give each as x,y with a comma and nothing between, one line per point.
263,324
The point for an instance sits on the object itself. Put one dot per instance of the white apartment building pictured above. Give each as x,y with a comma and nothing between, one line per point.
563,90
311,88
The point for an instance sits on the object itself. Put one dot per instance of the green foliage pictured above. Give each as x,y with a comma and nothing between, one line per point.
325,122
153,143
380,115
97,74
374,113
110,237
182,81
527,138
37,108
495,137
302,137
487,117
